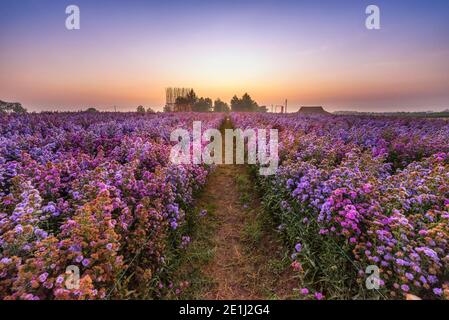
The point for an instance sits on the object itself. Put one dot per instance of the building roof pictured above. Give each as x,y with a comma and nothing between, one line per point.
313,110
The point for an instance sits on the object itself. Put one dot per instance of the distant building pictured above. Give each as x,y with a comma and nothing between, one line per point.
313,110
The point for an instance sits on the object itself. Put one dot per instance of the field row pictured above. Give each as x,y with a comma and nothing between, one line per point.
358,195
94,193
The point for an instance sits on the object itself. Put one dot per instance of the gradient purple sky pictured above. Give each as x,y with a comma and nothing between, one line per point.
313,53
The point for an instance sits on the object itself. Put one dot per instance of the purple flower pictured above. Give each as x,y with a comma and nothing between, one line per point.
409,276
429,252
40,233
76,195
18,229
402,262
432,279
59,280
438,291
86,262
298,247
50,208
185,241
75,248
43,277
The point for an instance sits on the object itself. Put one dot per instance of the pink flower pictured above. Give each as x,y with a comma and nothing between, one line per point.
319,296
296,266
367,188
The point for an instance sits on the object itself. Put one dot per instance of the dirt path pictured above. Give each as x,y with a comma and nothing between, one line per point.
236,254
228,268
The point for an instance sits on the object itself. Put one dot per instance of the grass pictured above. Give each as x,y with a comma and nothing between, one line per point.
242,182
252,232
199,253
262,246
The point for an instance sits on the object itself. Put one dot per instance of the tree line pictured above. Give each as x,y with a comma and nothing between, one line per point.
201,104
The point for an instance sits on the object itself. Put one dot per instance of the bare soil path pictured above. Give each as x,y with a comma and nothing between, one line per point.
236,253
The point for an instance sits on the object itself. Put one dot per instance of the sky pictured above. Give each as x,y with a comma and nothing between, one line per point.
309,52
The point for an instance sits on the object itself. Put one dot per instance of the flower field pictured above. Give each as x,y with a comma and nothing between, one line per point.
353,192
95,191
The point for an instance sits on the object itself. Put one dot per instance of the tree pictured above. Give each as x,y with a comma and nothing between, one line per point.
235,104
191,97
248,104
150,110
203,105
91,110
17,108
141,109
221,106
181,100
14,107
245,104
